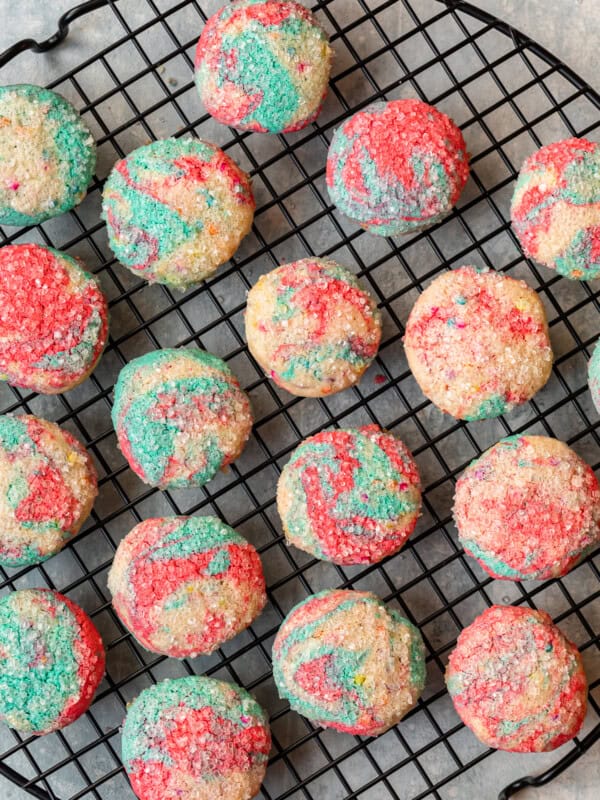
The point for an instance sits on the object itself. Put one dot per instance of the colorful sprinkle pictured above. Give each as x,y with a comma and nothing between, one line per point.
47,155
176,210
195,738
48,485
528,509
517,682
311,327
556,208
185,585
345,661
397,167
180,416
350,496
51,661
263,65
53,319
494,355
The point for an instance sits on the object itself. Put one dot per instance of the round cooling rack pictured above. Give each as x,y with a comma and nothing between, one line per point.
509,96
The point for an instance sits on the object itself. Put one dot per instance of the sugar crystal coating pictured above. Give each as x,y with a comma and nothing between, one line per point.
263,65
397,167
53,319
51,660
47,155
48,485
516,681
311,327
350,496
185,585
477,343
195,738
555,208
347,662
177,209
594,376
528,509
180,416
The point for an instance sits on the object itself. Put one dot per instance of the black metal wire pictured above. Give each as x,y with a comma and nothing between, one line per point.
62,29
284,168
546,777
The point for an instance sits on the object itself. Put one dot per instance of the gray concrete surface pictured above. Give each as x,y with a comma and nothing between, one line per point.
570,28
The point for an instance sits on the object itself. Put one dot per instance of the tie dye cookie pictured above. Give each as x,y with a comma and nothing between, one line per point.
350,496
47,155
176,210
555,208
345,661
528,509
311,327
517,682
180,416
594,376
48,485
54,321
477,343
195,738
397,167
185,585
51,661
263,65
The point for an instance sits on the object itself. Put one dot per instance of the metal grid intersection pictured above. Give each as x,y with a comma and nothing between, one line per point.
508,96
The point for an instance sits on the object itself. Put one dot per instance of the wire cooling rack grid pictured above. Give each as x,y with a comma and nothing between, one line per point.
509,96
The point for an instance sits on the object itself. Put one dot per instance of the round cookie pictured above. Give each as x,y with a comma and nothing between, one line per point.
528,509
345,661
477,343
263,65
516,681
47,155
51,661
195,738
180,417
350,496
185,585
594,376
54,320
311,327
555,208
48,485
397,167
176,210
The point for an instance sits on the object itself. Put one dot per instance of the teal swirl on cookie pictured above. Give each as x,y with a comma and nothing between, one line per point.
263,65
397,167
180,416
555,210
51,660
176,209
48,485
195,738
47,155
528,509
345,661
311,326
593,371
517,681
184,585
350,496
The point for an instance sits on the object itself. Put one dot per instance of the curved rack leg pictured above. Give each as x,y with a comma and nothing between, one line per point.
536,781
56,38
